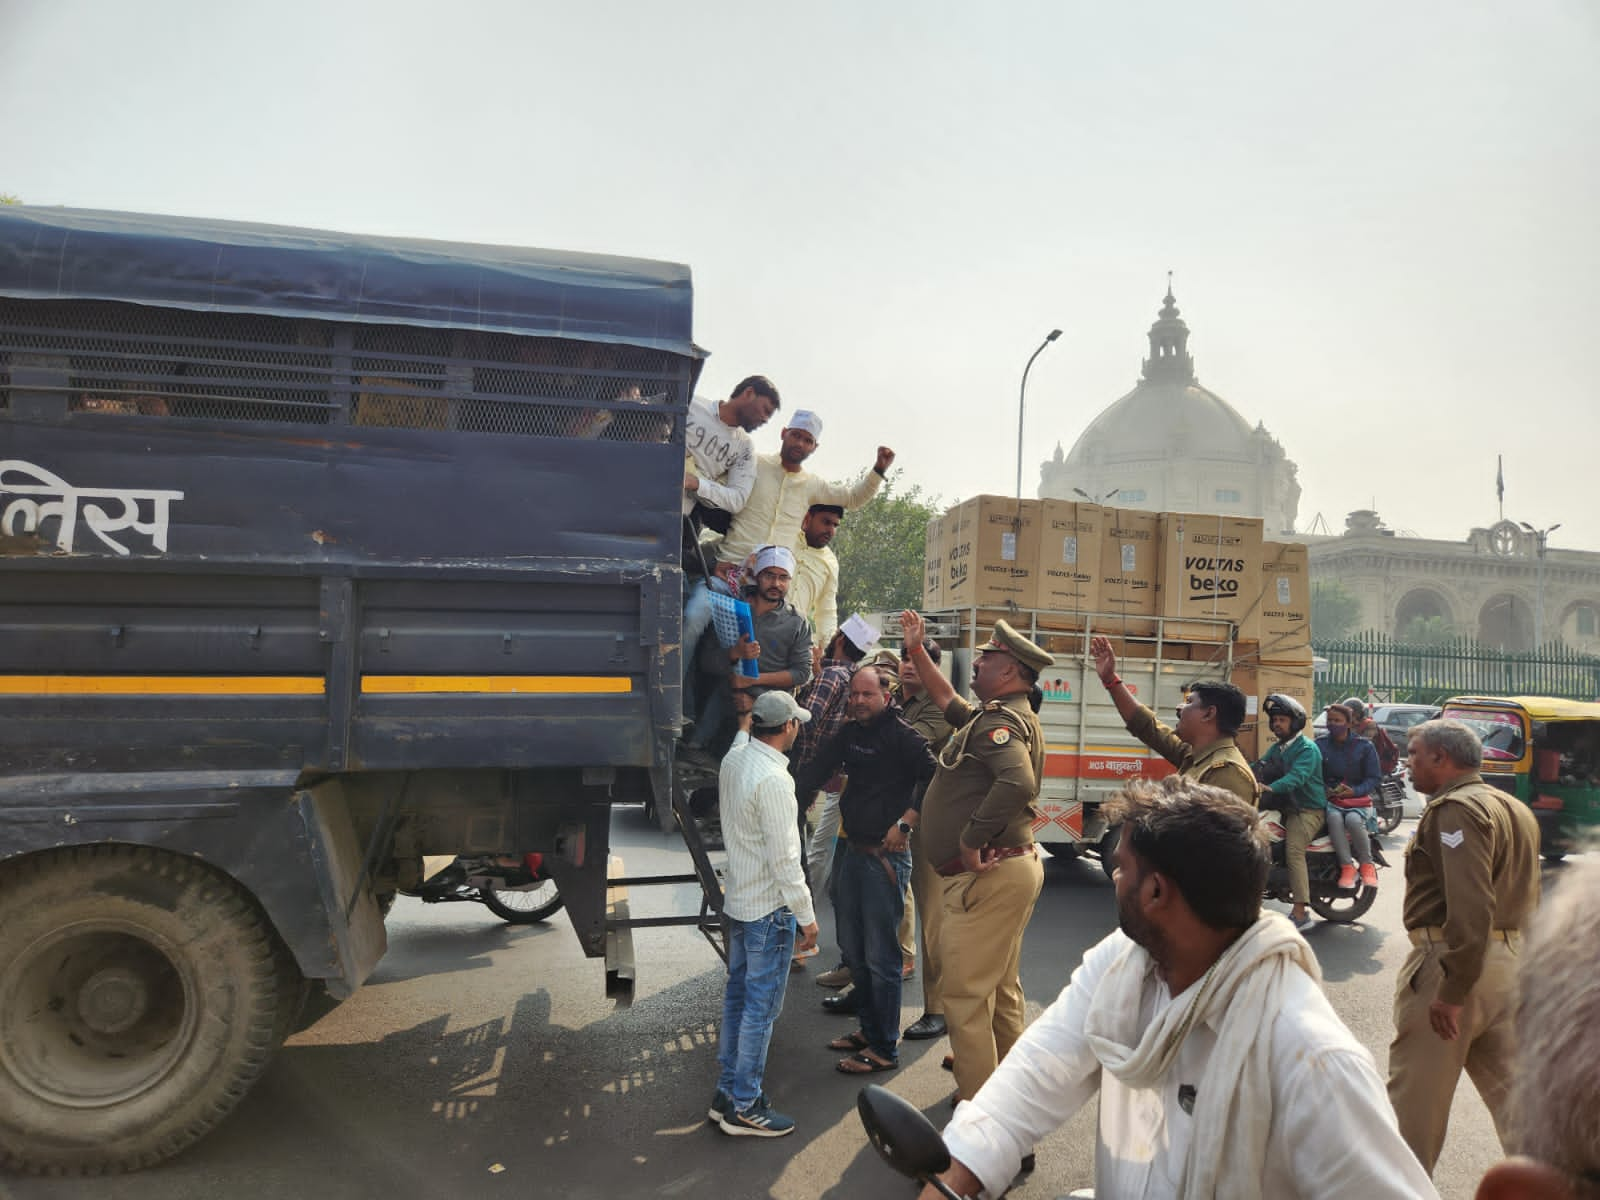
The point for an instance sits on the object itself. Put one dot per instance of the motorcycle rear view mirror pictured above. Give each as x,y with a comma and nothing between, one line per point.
905,1139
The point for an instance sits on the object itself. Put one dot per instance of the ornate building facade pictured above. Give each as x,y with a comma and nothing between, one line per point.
1495,586
1172,445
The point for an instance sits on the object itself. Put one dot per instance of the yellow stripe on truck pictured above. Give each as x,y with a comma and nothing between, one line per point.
162,685
312,685
498,685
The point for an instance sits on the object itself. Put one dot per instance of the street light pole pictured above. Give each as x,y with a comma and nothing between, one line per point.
1540,536
1022,399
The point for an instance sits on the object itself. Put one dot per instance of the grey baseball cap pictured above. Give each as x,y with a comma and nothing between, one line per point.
773,710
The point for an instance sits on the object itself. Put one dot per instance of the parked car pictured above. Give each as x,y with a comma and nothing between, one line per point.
1397,719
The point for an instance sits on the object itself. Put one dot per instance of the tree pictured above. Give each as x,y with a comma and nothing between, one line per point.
1334,611
8,198
1426,631
880,549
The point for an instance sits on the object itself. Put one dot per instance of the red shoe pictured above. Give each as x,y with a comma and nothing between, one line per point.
1369,875
1347,877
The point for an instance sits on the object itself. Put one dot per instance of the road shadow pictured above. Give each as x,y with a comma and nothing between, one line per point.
416,951
1346,951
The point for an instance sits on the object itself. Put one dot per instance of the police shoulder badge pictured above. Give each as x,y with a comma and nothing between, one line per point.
1000,736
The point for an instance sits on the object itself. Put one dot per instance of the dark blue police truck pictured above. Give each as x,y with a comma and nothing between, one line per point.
318,553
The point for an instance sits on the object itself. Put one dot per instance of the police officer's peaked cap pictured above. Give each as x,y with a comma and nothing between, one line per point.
1020,648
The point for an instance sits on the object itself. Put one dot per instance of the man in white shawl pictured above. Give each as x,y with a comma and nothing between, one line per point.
1222,1070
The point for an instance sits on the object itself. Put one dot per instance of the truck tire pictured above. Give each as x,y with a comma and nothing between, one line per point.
141,993
523,908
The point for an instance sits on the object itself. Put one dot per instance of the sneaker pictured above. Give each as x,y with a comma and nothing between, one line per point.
722,1106
757,1121
1369,875
837,978
1347,877
811,953
1304,923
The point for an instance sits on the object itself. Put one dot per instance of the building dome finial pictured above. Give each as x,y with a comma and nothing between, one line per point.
1169,344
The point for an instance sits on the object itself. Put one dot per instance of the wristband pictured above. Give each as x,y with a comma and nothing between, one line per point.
1116,681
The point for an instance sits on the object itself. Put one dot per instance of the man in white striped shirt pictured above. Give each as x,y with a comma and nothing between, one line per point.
764,898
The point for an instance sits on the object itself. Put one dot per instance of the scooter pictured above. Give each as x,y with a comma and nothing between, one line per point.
1390,801
513,887
908,1142
1322,871
904,1138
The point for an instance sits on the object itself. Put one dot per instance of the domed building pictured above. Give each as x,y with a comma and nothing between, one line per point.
1173,445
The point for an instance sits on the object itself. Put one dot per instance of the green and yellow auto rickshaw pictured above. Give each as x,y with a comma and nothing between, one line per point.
1546,752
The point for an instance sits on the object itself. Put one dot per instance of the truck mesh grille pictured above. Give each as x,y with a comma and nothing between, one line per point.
128,360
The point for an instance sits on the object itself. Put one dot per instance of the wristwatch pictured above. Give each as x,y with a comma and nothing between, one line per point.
905,827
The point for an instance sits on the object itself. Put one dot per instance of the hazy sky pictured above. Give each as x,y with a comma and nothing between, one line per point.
1384,218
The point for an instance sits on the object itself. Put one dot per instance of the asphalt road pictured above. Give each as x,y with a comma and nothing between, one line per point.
483,1060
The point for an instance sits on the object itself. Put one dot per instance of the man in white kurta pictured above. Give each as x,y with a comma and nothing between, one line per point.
1245,1085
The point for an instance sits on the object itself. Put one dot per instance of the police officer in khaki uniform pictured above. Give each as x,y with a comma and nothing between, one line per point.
977,830
1472,883
1201,746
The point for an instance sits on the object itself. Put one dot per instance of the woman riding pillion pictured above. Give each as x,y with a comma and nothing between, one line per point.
1352,776
1363,724
1290,775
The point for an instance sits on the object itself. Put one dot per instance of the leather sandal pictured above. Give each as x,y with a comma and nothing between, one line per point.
865,1063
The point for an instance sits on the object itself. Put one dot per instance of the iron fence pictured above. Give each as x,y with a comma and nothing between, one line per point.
1376,666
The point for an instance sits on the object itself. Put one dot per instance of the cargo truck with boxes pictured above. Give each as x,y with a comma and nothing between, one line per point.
1182,596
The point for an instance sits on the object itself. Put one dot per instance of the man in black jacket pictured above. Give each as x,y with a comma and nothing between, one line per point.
886,762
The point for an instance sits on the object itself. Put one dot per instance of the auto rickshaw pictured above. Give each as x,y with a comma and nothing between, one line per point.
1546,752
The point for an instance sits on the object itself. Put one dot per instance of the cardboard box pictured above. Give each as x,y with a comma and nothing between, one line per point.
1128,572
1210,571
933,566
993,559
1070,537
1285,605
1259,681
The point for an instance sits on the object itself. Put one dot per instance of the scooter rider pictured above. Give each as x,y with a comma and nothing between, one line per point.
1290,775
1361,721
1352,775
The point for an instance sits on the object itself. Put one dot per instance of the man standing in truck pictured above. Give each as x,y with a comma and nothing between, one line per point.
1201,746
784,491
815,594
718,473
781,649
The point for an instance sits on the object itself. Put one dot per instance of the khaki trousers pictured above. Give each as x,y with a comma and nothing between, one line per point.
1299,830
980,944
1424,1068
928,889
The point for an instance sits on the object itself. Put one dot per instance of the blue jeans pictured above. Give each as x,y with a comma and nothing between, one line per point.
868,904
696,620
758,974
